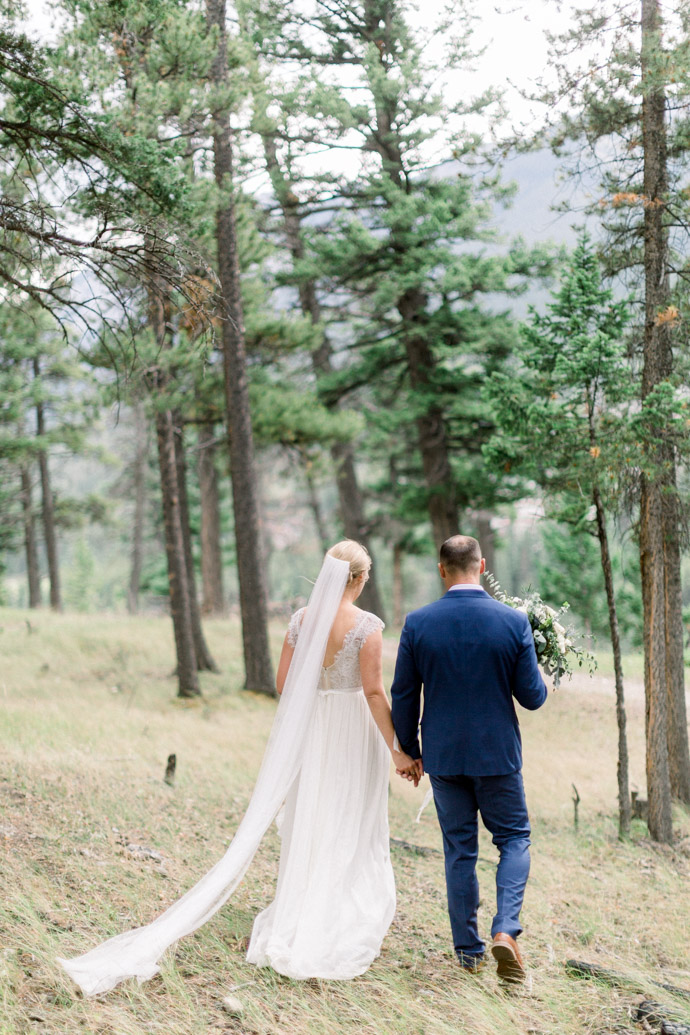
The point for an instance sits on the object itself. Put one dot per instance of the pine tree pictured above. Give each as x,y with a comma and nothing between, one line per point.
396,255
279,164
619,106
48,404
144,39
213,596
252,578
48,124
564,417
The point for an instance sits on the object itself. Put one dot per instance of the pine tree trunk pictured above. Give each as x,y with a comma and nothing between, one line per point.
678,753
350,500
658,364
187,679
656,709
159,382
204,659
623,763
140,469
398,588
315,504
487,542
30,546
47,506
251,572
431,428
351,507
213,597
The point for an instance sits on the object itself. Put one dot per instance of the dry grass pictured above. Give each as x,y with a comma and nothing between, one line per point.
88,719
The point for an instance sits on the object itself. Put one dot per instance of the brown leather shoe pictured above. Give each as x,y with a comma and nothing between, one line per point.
472,964
508,959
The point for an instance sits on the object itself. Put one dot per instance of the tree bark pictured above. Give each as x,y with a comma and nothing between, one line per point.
314,503
623,763
658,364
398,587
678,748
251,573
30,546
213,597
140,468
158,383
204,659
47,504
350,500
355,524
187,679
656,709
487,542
431,428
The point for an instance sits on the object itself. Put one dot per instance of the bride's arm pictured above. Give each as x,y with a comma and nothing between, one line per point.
284,664
289,644
370,664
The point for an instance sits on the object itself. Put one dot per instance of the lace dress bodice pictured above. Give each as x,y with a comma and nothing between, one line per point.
343,674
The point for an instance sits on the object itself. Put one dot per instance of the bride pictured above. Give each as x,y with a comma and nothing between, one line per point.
326,763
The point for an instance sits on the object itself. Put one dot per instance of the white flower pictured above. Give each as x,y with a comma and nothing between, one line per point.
555,645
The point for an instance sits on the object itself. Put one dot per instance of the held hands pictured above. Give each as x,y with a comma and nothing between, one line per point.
407,767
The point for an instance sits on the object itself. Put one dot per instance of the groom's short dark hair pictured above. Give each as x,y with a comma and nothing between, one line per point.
460,553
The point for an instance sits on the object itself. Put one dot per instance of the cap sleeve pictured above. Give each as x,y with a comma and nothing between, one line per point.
370,623
294,626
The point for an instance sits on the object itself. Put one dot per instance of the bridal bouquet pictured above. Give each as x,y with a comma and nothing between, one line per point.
555,646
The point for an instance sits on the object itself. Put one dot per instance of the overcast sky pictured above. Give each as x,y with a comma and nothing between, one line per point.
511,33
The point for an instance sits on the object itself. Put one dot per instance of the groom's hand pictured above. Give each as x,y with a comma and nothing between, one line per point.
413,772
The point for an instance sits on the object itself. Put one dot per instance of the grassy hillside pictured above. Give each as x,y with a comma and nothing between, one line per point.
88,720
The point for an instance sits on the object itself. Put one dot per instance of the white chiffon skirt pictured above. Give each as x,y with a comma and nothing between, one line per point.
335,897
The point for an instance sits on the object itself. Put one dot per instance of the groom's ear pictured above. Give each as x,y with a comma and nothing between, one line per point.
441,570
482,566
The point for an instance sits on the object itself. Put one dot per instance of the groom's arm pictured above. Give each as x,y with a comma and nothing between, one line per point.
529,688
406,693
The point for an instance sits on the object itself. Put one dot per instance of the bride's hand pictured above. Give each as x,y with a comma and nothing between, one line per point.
408,767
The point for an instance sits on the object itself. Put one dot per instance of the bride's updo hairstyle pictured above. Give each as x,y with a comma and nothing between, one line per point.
355,555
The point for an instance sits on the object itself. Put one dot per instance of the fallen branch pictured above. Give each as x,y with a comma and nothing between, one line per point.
650,1012
578,968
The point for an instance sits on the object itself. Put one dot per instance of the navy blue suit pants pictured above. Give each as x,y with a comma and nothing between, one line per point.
500,800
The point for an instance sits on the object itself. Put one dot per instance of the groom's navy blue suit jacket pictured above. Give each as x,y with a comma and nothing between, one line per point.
474,657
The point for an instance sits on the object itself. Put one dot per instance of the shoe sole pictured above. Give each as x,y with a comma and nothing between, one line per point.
507,965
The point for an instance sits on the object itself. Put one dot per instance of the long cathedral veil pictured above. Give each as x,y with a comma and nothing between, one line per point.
137,953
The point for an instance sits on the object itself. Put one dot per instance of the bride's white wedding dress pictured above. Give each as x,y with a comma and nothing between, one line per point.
326,760
336,894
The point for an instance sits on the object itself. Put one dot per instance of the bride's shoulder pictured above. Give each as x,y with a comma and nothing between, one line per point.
367,623
294,626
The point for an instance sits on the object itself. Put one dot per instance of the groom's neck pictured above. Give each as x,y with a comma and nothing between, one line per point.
460,580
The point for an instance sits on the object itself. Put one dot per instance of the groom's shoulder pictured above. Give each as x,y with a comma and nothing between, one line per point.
486,603
422,613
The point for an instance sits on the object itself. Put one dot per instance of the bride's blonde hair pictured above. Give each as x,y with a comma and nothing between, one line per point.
356,556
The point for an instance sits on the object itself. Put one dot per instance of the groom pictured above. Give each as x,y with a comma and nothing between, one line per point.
472,655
